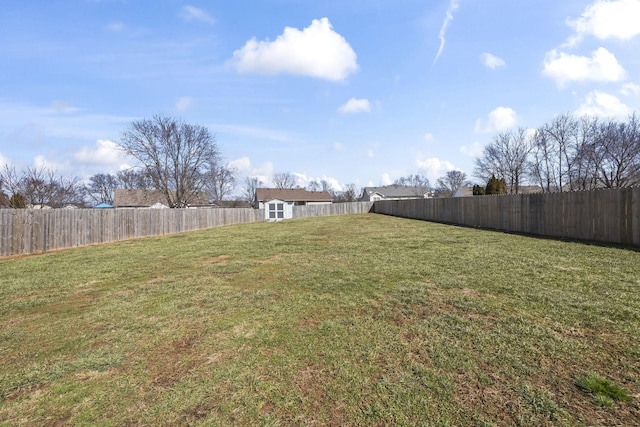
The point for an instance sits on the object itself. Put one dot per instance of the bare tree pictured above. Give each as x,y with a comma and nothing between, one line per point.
251,185
416,180
325,186
41,186
131,179
419,183
584,174
349,194
313,185
221,180
283,180
451,182
618,148
4,198
567,154
10,180
554,154
543,167
570,154
506,157
101,188
175,154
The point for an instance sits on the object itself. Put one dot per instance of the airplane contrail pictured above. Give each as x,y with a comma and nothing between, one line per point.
453,6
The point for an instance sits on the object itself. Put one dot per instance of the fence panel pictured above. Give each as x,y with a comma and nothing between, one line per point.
331,209
611,216
29,231
606,215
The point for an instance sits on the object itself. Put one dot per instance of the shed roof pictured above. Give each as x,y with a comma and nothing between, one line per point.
292,195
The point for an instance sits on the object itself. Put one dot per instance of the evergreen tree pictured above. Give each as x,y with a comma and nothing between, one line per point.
493,186
17,201
502,186
496,186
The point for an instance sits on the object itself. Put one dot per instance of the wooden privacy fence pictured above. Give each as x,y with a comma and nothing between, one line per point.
332,209
607,215
29,231
611,216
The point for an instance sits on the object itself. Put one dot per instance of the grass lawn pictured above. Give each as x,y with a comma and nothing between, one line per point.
350,320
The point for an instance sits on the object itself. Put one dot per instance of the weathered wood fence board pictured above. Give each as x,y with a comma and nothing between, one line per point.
29,231
332,209
607,215
611,216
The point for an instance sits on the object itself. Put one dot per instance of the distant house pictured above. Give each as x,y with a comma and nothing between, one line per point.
278,203
463,192
152,199
394,192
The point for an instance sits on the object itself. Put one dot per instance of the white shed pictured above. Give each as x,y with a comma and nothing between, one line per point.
277,210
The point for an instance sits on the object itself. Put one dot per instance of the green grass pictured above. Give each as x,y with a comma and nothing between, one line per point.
605,392
351,320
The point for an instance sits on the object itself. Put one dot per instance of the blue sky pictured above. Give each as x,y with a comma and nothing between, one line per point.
350,91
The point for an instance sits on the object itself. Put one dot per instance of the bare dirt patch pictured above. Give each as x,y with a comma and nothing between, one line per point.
171,362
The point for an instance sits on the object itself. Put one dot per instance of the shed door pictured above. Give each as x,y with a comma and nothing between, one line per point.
275,211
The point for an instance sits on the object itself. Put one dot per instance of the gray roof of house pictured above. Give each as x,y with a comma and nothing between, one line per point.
292,195
397,191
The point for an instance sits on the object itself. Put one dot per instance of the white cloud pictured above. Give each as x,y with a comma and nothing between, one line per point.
606,19
492,61
41,161
602,104
448,17
602,66
190,13
263,172
333,182
316,51
630,89
385,179
3,161
184,103
243,164
303,181
355,106
105,152
433,167
473,150
500,119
